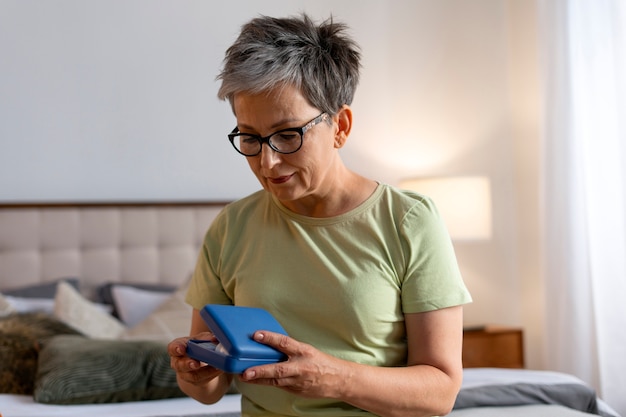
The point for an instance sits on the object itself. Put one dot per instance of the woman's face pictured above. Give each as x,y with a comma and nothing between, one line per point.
300,179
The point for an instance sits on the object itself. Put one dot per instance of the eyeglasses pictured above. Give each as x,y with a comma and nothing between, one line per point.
283,141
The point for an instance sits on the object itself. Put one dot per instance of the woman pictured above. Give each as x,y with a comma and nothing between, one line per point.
361,275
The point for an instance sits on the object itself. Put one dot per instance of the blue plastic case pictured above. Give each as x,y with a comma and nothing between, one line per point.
233,327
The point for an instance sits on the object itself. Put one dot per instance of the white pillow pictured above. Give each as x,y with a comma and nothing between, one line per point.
26,305
170,320
83,315
134,304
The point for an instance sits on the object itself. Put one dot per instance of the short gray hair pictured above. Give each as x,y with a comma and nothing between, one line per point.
322,61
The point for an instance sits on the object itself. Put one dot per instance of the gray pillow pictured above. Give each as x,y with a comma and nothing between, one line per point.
45,290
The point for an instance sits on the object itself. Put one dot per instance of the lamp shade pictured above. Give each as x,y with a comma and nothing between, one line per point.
464,203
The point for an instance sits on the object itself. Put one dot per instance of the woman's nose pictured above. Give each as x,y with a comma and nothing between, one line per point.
269,157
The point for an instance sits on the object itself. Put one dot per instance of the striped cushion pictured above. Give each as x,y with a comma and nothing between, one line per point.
77,370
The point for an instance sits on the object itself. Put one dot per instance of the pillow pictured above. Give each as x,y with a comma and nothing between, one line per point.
38,297
76,370
20,338
87,317
170,320
26,305
134,304
46,290
487,387
104,292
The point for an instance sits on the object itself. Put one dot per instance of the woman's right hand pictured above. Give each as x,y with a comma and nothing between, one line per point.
195,378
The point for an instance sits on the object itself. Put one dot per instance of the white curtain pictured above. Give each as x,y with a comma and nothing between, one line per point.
583,45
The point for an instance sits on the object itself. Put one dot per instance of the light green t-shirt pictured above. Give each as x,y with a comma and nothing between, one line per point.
341,284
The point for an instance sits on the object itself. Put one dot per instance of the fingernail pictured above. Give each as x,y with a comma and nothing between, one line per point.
193,365
259,336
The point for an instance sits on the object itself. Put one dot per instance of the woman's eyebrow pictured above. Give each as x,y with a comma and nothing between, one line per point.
273,127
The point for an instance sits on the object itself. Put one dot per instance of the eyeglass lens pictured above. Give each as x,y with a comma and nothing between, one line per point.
283,142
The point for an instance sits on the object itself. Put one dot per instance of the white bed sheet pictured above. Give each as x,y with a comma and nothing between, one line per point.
23,406
477,377
536,410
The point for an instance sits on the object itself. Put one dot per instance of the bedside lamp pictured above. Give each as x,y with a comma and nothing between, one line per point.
464,203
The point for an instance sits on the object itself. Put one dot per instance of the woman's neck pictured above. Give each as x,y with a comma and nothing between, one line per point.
343,197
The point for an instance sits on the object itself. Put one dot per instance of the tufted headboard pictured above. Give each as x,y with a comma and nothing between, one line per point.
126,242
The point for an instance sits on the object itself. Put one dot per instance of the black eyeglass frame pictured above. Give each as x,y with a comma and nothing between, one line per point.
300,130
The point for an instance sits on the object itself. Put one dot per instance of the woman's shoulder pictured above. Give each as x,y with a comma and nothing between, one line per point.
406,200
246,208
247,203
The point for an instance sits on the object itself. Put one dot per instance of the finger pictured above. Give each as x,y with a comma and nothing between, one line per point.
266,374
177,347
188,365
205,336
202,374
278,341
184,364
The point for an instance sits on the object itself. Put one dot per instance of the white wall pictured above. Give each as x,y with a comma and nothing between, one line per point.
115,100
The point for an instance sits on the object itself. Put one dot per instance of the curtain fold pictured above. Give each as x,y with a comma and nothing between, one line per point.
584,191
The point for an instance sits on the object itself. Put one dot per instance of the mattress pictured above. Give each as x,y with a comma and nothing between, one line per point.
23,406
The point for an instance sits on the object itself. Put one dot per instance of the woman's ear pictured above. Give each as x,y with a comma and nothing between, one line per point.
344,125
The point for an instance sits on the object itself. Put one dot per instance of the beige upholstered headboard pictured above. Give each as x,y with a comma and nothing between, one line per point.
127,242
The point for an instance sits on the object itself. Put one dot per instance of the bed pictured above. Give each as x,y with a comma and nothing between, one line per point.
91,293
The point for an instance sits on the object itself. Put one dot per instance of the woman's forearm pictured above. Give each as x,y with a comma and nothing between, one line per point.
419,390
208,393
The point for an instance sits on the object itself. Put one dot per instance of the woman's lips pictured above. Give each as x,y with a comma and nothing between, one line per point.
280,180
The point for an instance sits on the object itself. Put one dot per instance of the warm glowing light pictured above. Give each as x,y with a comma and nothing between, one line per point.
464,203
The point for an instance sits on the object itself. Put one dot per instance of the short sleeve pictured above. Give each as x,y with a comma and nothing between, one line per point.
432,280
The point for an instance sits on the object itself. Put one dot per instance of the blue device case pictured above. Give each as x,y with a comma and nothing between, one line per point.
233,327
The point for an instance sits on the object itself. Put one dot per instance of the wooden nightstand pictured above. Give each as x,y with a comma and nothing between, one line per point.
493,347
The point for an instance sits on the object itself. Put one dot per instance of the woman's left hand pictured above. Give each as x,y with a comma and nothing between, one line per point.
307,372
